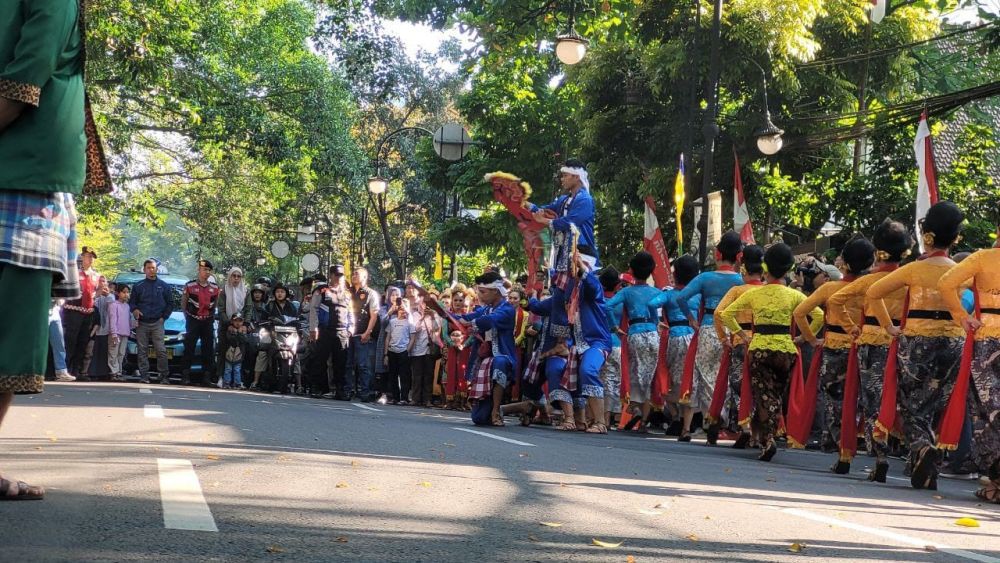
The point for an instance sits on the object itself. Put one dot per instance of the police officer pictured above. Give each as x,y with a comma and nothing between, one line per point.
199,303
361,359
331,323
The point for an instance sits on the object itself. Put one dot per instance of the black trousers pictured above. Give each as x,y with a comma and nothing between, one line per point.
398,378
204,331
330,378
422,368
76,336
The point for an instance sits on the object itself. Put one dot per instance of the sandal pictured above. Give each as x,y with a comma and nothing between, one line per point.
924,474
497,421
24,491
635,419
597,428
568,426
880,472
527,417
767,454
990,493
684,437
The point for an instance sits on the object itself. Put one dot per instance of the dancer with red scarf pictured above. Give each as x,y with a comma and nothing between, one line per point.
983,367
930,349
892,244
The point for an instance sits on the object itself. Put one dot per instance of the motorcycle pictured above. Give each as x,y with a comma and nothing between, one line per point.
284,339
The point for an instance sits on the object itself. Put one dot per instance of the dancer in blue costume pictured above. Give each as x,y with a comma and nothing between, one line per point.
611,372
712,287
494,356
643,340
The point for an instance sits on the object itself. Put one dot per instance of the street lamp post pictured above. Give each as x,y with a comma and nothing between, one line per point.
570,46
710,129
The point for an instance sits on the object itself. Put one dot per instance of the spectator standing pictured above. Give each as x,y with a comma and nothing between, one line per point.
361,352
199,305
397,343
421,360
57,342
331,324
233,299
233,346
78,318
151,303
392,295
97,349
119,328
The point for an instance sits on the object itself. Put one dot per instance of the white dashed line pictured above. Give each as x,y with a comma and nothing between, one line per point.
153,411
184,506
899,538
494,436
366,407
145,390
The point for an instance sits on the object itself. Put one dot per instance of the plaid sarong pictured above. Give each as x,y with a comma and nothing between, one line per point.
482,381
571,373
38,232
532,371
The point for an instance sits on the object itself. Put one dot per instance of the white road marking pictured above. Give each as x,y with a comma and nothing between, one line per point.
145,390
184,506
900,538
366,407
153,411
494,436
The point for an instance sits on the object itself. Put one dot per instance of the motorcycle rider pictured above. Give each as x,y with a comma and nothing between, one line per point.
256,317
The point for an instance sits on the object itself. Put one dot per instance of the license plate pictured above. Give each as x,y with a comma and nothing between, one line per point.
152,354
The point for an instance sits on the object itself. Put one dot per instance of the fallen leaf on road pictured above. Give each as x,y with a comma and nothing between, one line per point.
708,518
275,549
771,480
659,505
282,458
341,539
727,470
354,463
930,548
650,512
449,445
938,497
522,455
630,559
53,439
532,537
425,484
342,485
38,447
967,522
691,537
796,547
551,524
213,457
600,543
562,484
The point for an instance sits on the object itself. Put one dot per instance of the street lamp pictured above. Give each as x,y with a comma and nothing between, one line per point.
377,185
570,47
769,139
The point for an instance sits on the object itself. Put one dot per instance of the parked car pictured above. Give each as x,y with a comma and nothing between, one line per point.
174,329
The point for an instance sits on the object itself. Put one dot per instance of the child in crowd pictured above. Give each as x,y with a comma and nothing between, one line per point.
119,327
397,344
235,349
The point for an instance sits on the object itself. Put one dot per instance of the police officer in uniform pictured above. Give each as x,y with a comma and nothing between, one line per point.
199,303
331,323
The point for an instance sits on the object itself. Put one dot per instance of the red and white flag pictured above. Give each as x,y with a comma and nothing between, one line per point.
878,9
652,242
741,215
927,188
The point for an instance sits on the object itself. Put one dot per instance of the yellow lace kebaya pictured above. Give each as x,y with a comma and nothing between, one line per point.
851,299
984,266
745,318
771,307
837,336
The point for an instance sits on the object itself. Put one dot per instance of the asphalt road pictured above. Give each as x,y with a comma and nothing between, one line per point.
144,473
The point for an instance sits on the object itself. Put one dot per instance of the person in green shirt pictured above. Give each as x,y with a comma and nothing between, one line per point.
43,164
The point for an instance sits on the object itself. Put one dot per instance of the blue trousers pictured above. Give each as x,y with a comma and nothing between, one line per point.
502,374
589,383
361,366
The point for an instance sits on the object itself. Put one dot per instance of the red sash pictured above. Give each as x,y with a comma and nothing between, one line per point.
721,384
687,380
954,413
802,400
661,377
849,408
746,391
887,409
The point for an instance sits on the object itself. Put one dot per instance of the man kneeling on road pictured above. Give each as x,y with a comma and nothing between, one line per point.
493,350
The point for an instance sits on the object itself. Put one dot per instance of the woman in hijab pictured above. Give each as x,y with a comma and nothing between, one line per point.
232,300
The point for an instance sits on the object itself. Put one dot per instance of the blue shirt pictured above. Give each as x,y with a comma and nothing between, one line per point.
636,299
712,287
672,313
498,322
153,298
614,316
579,212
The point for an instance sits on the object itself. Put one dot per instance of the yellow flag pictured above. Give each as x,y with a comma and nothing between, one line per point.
438,263
679,204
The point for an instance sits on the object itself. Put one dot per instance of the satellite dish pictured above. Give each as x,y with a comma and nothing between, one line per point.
279,249
452,142
310,262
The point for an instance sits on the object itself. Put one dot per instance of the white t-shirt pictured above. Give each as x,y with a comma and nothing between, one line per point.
399,334
420,325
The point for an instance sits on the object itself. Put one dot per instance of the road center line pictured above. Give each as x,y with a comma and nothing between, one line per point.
184,506
494,436
366,407
145,390
153,411
915,542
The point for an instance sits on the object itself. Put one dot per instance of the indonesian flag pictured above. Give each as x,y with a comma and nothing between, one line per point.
652,242
927,188
878,10
741,216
